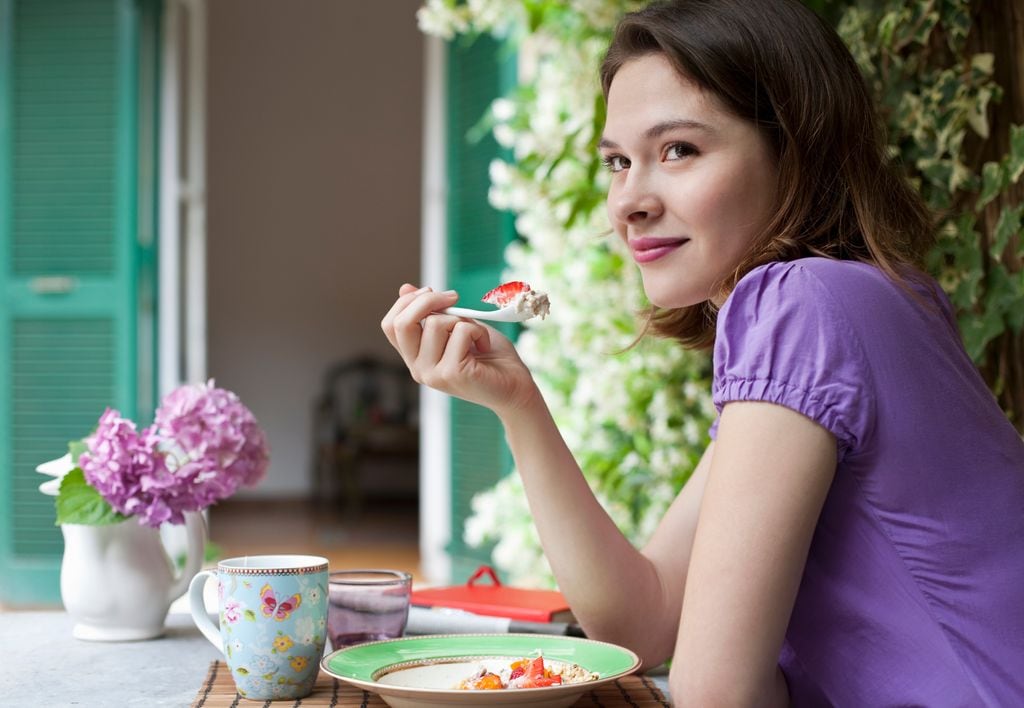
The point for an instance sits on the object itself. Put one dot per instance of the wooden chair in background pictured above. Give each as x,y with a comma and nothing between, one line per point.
367,412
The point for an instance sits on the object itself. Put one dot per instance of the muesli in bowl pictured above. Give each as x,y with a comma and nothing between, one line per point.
526,673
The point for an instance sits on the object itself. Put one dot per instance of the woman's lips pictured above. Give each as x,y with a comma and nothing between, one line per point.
646,249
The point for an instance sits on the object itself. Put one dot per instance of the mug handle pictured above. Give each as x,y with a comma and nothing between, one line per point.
198,609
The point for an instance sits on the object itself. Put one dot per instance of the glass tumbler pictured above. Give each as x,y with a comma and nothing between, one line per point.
367,605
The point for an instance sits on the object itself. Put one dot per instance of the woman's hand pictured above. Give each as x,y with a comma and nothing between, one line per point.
461,357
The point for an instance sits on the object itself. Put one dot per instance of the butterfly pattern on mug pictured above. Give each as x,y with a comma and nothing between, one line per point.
277,610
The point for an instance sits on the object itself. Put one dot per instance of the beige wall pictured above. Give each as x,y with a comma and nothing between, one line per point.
314,169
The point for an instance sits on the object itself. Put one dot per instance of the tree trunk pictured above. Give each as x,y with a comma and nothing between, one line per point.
997,27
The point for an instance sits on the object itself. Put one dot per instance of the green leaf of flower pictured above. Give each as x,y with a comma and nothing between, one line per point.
76,448
250,615
79,503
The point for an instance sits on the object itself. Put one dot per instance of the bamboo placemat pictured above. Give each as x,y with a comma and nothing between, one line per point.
218,691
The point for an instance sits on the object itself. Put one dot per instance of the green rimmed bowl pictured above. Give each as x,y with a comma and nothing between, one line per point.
415,672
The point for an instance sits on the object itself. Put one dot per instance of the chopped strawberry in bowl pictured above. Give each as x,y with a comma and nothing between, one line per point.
526,673
535,675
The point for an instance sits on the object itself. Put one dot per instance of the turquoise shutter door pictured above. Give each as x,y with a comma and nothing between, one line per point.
73,269
477,235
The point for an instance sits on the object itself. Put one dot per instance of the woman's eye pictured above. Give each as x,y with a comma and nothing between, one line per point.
615,163
678,151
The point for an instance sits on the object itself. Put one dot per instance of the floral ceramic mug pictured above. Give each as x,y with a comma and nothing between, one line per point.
273,620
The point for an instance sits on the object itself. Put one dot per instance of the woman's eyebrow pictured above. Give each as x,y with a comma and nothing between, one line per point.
659,129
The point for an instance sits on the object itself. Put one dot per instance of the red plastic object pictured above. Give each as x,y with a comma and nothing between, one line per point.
497,600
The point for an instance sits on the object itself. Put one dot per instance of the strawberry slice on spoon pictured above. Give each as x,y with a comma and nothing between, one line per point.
516,301
505,293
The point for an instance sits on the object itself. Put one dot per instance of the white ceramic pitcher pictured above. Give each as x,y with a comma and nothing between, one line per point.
116,580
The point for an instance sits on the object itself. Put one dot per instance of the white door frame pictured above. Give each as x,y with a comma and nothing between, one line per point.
181,243
181,301
435,407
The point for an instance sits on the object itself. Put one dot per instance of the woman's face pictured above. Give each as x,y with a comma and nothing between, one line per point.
692,185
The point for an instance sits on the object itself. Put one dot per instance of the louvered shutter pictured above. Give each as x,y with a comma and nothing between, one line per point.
73,269
477,235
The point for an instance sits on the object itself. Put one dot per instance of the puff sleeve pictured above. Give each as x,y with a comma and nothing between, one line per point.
783,338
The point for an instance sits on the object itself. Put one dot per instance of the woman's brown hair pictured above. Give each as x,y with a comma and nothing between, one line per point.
778,65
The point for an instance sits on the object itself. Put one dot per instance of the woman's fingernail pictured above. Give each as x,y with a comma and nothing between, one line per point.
449,293
425,288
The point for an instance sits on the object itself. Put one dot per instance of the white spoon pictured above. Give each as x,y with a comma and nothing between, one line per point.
508,313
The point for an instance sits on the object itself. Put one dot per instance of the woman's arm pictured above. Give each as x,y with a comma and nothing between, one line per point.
769,476
618,593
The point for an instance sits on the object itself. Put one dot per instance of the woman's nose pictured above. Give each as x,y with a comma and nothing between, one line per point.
636,200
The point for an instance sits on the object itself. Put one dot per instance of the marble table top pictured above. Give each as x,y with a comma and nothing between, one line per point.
45,667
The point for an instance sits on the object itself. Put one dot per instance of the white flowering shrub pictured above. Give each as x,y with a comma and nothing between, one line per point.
636,418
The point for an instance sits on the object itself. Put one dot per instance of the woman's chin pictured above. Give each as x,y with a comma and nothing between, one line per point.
672,301
670,294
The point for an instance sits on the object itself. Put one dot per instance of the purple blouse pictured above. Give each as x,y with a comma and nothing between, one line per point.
913,593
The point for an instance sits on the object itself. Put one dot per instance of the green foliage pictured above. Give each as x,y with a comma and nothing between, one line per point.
936,97
80,503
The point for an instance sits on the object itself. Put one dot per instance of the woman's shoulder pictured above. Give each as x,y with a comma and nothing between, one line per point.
855,289
813,273
783,337
823,299
819,293
773,288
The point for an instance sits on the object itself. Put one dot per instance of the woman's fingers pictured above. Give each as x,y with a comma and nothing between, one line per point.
403,324
409,322
447,346
467,336
461,357
406,294
434,346
436,331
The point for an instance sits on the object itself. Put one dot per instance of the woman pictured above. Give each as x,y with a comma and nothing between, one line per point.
852,534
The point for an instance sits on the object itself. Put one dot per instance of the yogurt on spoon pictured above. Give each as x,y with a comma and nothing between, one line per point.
517,301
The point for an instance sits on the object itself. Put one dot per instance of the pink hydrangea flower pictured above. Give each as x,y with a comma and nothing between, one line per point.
115,460
203,445
212,439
